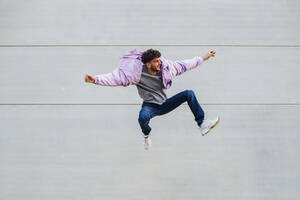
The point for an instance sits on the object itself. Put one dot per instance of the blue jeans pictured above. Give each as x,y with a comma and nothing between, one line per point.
150,110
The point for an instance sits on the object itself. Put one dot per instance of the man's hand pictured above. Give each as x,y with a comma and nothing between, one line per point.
208,55
89,79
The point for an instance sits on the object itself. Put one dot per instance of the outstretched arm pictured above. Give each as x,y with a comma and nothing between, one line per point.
178,67
114,78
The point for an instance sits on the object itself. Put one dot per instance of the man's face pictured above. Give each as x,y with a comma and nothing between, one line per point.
155,64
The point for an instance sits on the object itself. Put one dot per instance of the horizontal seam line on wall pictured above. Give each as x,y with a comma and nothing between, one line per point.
221,104
183,45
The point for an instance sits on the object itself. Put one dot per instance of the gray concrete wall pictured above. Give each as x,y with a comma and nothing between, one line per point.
61,138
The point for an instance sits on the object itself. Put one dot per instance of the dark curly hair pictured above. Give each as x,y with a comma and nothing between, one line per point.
149,55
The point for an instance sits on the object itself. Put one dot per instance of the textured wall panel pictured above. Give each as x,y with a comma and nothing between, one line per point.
236,75
92,152
154,22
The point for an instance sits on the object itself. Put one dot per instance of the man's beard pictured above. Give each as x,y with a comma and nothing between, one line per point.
156,70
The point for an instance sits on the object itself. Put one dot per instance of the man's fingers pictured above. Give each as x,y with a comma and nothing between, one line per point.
212,53
88,78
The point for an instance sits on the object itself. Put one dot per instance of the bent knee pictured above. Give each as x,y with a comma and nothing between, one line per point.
189,92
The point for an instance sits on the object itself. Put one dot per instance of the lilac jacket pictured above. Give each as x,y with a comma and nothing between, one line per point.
130,69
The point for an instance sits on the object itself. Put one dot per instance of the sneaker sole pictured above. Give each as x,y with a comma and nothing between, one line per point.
212,126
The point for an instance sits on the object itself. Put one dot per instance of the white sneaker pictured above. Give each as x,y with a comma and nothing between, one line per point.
208,124
147,142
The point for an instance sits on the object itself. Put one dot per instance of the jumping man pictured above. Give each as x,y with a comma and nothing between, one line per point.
152,74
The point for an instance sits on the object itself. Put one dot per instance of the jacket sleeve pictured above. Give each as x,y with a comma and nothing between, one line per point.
114,78
178,67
